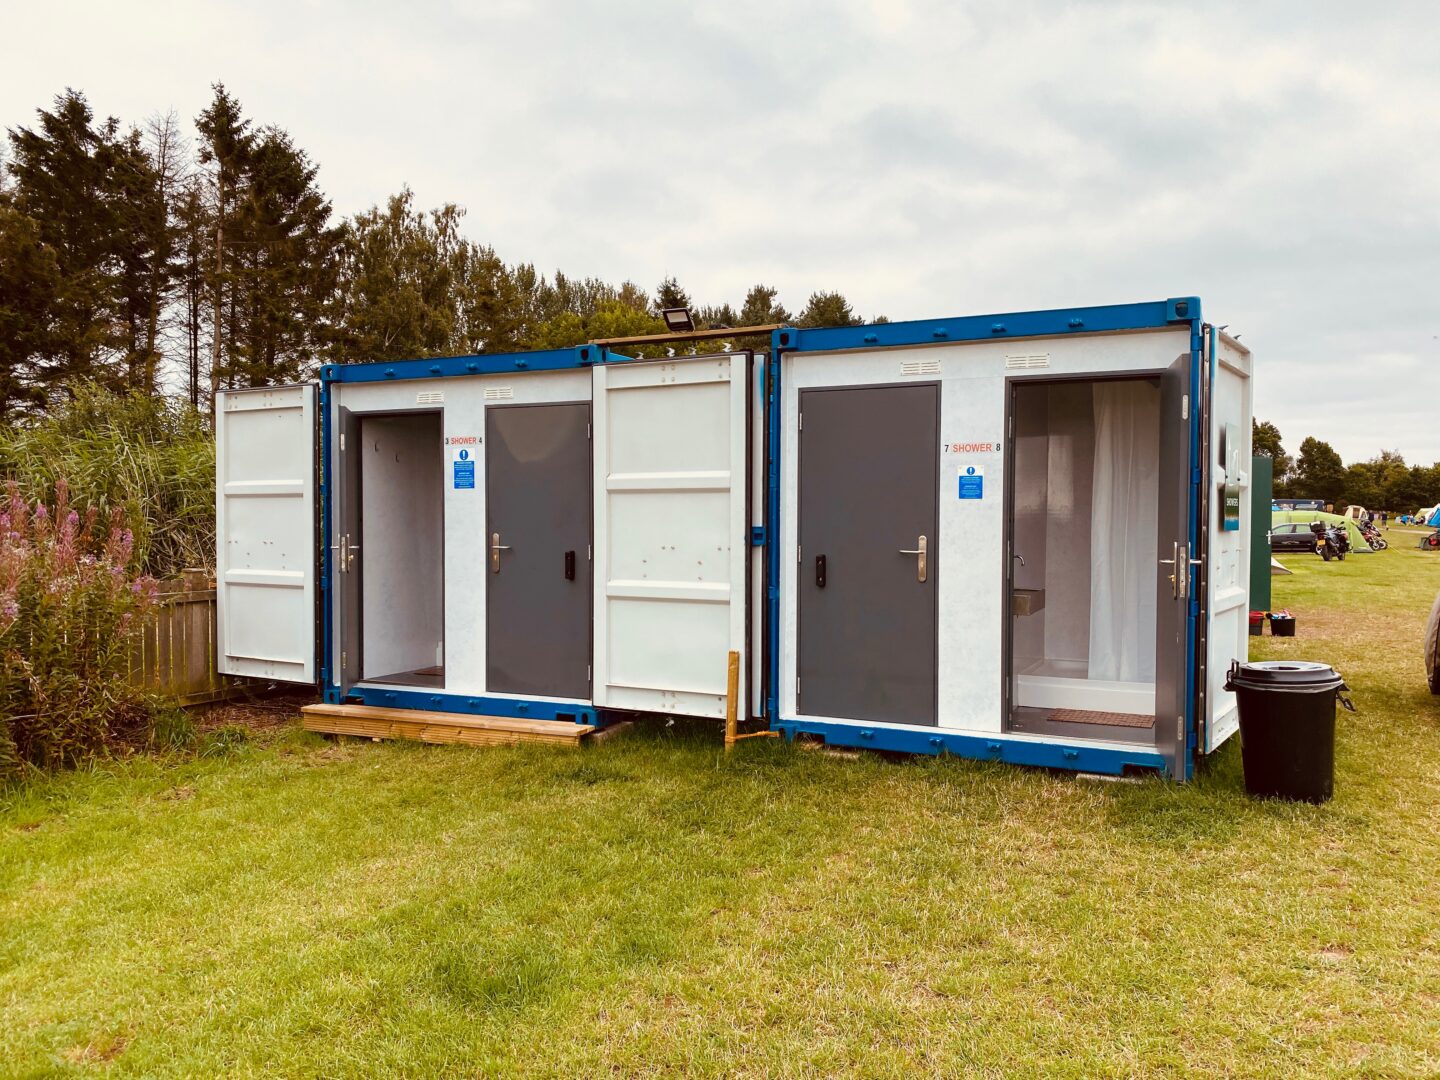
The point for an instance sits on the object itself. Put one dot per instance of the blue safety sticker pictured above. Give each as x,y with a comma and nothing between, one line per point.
972,481
464,465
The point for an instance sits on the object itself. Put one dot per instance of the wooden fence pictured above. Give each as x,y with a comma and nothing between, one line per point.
175,655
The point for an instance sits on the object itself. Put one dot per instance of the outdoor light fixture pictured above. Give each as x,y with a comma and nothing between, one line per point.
678,320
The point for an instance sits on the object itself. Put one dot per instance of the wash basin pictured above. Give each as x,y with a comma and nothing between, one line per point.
1027,601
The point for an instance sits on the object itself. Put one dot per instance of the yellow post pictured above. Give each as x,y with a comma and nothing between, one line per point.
732,701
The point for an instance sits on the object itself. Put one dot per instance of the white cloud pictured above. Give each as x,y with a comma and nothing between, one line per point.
925,158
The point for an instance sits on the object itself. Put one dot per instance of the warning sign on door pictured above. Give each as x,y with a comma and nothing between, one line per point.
972,481
463,462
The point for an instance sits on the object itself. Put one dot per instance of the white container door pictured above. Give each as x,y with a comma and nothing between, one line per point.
265,532
1226,591
671,536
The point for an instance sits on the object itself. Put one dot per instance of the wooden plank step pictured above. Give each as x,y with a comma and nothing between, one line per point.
378,722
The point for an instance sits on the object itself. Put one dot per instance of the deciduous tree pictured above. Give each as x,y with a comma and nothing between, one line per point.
1319,472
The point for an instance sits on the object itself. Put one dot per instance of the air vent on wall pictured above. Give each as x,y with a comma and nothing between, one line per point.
920,367
1027,361
430,397
499,393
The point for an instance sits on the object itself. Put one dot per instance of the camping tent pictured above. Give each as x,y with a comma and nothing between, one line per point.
1357,538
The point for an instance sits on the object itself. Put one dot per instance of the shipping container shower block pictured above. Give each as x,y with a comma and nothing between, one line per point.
1021,537
552,536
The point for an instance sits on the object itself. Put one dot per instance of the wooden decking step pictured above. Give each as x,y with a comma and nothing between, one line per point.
377,722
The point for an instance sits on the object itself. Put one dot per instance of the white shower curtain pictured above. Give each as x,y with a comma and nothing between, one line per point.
1123,530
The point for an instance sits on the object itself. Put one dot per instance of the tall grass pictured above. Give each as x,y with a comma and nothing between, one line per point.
148,457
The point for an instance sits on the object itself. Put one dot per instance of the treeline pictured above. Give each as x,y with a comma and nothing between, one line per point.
1384,482
159,259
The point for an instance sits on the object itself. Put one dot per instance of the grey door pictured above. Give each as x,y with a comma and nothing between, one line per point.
537,550
867,613
345,552
1173,578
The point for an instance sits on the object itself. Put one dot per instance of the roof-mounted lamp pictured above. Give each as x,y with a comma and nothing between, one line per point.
678,320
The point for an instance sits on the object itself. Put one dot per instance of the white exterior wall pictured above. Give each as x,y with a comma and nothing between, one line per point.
971,582
1229,556
670,533
265,532
465,547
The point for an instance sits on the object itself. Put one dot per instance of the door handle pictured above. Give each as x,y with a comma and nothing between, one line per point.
919,552
819,571
1179,563
569,566
495,548
344,554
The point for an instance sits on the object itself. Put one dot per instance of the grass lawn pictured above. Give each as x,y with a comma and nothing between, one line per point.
649,907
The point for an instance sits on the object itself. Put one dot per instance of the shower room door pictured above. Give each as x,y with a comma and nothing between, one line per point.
868,540
1174,623
537,600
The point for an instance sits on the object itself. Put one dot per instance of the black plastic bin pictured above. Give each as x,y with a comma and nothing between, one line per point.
1287,727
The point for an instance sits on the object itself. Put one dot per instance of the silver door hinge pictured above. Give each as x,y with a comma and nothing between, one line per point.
1010,425
797,555
797,686
342,442
1180,729
587,431
1185,407
587,673
344,661
801,425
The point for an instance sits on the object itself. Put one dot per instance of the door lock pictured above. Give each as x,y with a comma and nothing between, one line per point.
344,554
495,548
919,552
1179,563
1173,562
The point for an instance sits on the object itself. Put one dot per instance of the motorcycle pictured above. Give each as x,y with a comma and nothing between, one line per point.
1373,537
1331,541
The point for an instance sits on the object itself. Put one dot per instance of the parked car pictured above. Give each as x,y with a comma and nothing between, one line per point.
1292,536
1432,648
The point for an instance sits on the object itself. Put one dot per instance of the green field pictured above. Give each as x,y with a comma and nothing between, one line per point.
650,907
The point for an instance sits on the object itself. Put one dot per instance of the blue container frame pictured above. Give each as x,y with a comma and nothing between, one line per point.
1060,322
404,371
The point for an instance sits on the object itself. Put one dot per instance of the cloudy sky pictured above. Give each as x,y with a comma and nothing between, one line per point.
1282,161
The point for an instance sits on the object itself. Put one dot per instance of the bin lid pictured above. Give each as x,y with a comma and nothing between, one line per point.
1287,675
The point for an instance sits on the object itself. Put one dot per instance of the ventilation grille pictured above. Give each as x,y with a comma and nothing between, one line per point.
1027,361
499,393
430,397
920,367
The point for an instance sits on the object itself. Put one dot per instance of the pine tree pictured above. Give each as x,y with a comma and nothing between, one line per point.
669,294
226,143
62,180
284,264
29,292
761,308
828,309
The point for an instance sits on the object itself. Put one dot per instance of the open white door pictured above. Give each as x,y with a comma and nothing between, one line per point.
1225,617
265,532
670,532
